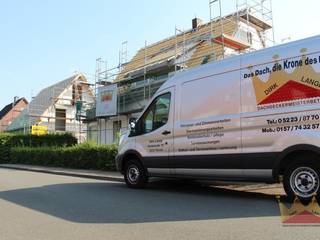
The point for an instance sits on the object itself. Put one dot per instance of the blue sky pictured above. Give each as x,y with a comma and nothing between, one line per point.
45,41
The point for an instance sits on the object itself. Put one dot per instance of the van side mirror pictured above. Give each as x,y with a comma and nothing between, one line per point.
132,123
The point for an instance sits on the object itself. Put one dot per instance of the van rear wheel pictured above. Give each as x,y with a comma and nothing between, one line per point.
302,179
135,175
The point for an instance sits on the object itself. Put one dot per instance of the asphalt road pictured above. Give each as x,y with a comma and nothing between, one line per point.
44,206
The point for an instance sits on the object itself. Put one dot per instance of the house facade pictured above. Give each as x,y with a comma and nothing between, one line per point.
59,107
11,111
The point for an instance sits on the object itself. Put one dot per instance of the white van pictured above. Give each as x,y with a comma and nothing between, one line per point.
251,117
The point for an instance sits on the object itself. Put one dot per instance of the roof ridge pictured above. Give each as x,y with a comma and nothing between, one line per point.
57,83
7,108
189,30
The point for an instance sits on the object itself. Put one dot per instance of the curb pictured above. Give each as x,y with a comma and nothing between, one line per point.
70,174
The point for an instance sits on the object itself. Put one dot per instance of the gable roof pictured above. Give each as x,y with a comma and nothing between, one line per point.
44,99
41,103
196,44
4,111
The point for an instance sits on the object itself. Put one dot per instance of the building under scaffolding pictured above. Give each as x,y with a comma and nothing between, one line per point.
248,28
58,107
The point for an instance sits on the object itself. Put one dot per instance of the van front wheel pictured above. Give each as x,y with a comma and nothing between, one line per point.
135,176
302,179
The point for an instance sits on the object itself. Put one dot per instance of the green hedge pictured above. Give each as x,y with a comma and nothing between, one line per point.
82,156
8,141
28,140
5,147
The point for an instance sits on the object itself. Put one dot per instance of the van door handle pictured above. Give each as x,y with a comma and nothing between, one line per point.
166,132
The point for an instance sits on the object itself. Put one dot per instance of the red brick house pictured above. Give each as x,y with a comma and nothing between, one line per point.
11,111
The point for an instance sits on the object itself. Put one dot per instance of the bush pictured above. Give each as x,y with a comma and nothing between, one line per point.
48,140
82,156
5,147
8,141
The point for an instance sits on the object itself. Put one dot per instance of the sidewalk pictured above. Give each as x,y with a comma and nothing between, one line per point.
274,189
261,188
93,174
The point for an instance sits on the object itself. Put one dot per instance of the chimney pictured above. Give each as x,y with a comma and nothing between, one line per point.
196,22
15,99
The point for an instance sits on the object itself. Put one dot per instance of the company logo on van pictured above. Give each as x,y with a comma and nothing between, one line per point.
300,86
299,214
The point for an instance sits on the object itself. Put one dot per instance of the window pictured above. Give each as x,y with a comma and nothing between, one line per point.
76,93
249,36
79,92
116,130
161,111
156,115
148,121
60,123
244,34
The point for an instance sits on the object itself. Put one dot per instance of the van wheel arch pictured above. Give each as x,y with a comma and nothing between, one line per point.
292,154
131,155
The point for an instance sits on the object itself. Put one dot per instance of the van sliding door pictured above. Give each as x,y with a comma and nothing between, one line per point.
208,131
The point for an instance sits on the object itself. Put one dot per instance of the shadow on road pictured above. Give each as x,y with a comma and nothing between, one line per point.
107,202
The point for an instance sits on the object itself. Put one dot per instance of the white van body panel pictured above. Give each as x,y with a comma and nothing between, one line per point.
253,119
126,143
198,106
236,118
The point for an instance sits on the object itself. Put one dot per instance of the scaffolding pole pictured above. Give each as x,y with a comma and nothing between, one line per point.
261,9
178,33
144,70
213,19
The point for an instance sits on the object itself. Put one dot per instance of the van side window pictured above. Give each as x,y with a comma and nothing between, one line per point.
156,115
148,121
161,111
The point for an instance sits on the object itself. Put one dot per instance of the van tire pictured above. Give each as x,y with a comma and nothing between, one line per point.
302,179
135,175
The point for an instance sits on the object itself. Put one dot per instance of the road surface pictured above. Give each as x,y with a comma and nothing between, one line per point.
43,206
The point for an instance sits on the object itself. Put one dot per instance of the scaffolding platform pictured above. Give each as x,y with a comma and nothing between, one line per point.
231,42
255,20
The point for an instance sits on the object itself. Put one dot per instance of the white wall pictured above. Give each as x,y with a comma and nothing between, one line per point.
101,131
64,101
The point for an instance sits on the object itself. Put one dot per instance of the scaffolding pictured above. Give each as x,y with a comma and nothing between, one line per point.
258,12
235,31
251,12
183,52
105,76
123,55
216,17
222,33
247,28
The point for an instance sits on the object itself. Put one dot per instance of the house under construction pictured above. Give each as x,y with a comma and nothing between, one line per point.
247,29
58,107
